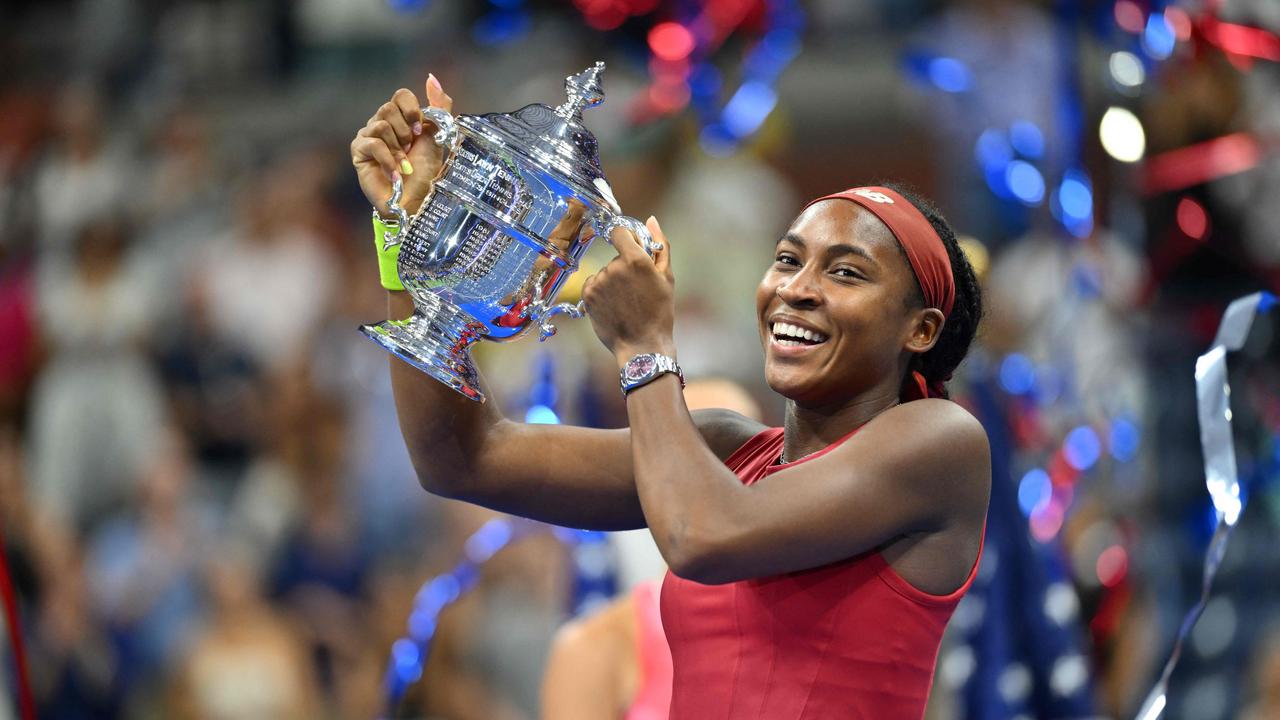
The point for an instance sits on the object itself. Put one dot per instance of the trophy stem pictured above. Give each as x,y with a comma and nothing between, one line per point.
437,341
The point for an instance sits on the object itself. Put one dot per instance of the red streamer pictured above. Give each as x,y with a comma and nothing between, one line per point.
1242,40
1200,163
26,700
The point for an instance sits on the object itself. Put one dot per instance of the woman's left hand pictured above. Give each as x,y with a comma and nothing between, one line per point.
630,301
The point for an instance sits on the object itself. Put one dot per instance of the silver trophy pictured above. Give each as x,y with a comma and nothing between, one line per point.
500,232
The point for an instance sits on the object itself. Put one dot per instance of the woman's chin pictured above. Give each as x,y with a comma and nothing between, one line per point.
790,385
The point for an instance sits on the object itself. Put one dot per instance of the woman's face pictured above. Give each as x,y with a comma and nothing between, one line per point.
838,277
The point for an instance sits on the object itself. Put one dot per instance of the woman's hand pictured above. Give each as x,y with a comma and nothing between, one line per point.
397,141
630,301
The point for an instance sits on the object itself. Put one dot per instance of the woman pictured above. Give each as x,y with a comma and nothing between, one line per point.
814,566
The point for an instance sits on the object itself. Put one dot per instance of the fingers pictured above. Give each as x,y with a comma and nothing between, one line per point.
436,96
661,258
401,116
628,245
382,130
367,147
408,111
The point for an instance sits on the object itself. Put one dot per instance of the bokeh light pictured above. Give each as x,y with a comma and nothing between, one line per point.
1122,135
1025,181
671,41
541,415
1017,374
1192,218
1123,439
950,75
1034,491
1113,566
1126,69
1082,448
1129,16
1027,139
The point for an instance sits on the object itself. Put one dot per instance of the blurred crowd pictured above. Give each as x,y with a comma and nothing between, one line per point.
207,508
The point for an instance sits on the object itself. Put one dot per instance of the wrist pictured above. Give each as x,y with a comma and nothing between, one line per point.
388,258
644,368
662,346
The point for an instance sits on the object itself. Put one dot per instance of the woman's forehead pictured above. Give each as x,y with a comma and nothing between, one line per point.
835,221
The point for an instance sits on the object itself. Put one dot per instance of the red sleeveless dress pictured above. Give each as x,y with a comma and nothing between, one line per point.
848,640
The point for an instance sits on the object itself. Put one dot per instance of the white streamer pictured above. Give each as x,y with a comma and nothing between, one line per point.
1213,400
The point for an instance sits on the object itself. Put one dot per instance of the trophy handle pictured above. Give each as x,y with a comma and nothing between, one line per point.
542,314
647,242
446,137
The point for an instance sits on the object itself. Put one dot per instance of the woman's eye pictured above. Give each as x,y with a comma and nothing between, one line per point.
786,260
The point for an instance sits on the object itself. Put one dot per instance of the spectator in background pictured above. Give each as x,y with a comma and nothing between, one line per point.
321,572
215,392
144,573
182,203
269,282
81,176
247,662
99,390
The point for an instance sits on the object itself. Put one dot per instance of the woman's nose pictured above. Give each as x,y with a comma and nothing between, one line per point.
800,290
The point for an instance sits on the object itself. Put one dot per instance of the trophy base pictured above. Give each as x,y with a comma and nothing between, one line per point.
437,345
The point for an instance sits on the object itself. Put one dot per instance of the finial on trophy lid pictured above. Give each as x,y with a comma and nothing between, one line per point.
584,91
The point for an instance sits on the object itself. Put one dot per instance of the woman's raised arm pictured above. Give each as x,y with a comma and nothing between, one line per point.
462,449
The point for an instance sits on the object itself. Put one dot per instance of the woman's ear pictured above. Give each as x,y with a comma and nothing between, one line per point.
926,329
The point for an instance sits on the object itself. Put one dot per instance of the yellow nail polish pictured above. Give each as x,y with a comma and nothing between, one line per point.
406,167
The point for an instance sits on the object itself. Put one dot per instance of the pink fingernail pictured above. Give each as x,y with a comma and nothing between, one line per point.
433,82
395,176
417,128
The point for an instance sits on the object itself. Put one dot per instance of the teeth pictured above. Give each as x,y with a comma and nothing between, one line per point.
781,329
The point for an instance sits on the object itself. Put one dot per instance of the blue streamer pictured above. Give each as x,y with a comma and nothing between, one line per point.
595,579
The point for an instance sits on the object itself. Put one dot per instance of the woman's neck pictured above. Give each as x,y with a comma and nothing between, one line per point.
808,429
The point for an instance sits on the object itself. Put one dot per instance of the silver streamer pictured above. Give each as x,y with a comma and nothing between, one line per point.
1213,400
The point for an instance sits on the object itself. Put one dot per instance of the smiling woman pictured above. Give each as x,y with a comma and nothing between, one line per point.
813,566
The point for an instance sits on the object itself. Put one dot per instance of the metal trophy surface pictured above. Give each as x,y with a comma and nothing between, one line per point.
500,231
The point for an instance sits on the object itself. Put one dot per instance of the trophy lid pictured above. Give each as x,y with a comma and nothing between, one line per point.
555,138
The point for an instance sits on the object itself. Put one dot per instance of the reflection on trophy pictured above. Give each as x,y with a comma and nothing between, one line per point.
501,230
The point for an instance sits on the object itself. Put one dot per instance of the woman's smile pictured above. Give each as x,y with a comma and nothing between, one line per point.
792,337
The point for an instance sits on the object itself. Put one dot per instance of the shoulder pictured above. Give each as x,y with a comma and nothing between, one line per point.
945,428
725,430
933,446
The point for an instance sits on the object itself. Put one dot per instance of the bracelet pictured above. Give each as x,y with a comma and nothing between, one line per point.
387,258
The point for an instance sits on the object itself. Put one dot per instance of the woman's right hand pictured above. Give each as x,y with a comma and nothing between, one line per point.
397,140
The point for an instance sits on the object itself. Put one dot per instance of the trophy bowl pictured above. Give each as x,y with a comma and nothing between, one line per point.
501,230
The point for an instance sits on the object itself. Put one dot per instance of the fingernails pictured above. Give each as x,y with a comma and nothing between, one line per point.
395,176
417,128
405,167
406,148
433,83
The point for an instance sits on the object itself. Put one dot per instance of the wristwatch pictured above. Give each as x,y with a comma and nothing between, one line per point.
645,368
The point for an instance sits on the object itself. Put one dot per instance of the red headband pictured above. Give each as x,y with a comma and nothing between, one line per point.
924,250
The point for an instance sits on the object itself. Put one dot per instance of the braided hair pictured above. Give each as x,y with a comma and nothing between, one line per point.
961,326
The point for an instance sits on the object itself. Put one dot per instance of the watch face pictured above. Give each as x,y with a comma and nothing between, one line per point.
640,367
